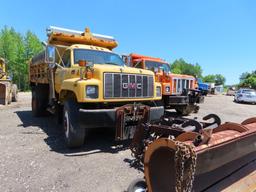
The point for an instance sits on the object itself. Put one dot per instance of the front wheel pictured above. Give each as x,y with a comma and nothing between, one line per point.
74,134
138,185
184,110
238,100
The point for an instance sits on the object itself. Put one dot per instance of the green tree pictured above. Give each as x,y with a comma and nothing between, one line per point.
17,50
218,79
32,45
209,78
248,80
180,66
244,76
8,48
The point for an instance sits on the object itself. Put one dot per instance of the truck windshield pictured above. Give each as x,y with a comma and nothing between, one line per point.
97,57
152,65
199,80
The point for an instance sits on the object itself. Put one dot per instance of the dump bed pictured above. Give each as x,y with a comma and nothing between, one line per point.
39,69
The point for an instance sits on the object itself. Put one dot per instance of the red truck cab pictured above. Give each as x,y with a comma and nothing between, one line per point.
178,91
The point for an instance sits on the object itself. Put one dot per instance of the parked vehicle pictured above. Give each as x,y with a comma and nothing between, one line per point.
81,80
245,95
203,87
178,90
8,90
231,91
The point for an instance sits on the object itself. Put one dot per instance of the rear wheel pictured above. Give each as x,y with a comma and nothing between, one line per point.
39,100
205,93
74,134
14,93
138,185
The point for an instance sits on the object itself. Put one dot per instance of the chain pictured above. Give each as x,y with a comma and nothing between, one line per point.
184,153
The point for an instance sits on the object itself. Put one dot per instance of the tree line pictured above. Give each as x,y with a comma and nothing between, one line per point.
180,66
17,49
248,80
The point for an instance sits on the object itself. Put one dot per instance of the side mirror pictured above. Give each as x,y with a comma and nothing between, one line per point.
125,59
82,63
50,54
160,69
89,64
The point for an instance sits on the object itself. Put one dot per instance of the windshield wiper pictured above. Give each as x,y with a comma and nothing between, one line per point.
112,63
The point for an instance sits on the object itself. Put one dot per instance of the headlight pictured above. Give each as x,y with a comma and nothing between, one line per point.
92,91
158,91
167,89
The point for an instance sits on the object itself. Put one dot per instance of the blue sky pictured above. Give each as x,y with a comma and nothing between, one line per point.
220,35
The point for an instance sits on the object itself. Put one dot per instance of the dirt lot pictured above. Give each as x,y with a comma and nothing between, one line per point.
34,157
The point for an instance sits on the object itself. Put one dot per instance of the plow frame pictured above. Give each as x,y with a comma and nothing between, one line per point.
221,149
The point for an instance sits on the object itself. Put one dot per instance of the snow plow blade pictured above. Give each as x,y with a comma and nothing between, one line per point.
182,160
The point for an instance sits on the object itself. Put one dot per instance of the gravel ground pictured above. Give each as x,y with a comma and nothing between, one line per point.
34,157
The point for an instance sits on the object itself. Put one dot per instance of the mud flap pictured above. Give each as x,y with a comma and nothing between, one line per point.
128,117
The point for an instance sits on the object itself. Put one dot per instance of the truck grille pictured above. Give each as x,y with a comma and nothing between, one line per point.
180,84
119,85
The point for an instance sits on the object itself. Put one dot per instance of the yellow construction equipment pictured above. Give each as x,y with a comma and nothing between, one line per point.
8,91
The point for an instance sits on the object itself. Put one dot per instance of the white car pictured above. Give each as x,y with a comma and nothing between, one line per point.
231,91
245,95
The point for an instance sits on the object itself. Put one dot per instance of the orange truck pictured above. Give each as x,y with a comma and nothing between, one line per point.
178,91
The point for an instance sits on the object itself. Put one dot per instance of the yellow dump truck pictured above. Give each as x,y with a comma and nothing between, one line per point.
8,91
86,85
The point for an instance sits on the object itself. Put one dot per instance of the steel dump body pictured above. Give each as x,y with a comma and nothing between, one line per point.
39,69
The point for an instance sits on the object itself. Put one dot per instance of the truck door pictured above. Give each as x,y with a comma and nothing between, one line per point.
61,73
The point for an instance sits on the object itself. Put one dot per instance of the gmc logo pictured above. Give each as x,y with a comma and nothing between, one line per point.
131,85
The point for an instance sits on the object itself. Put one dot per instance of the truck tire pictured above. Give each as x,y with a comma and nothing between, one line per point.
59,114
9,99
14,93
138,185
39,101
74,134
184,110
